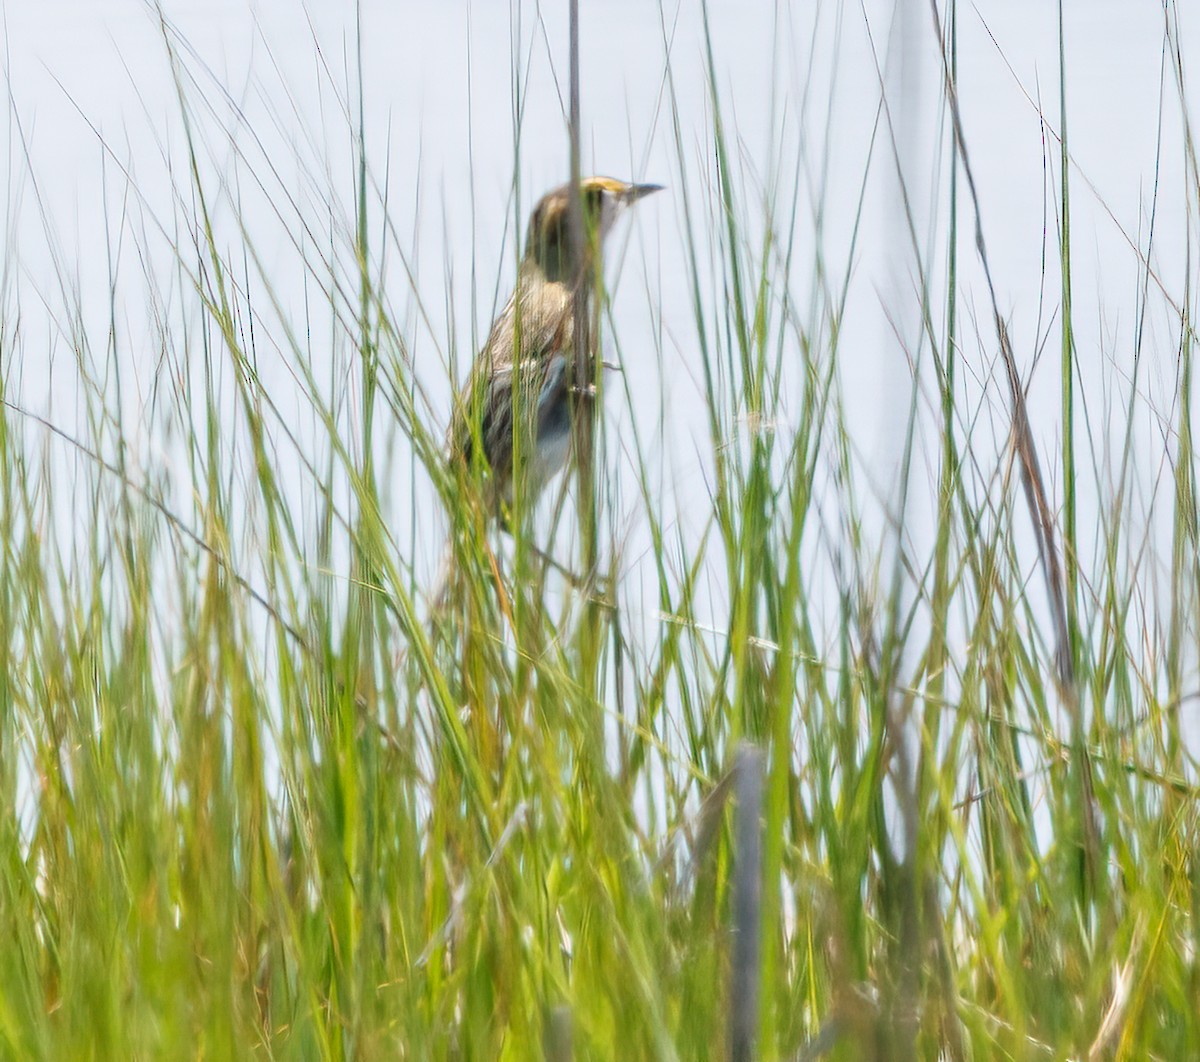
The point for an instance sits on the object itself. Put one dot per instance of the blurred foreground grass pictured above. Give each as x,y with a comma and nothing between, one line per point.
254,804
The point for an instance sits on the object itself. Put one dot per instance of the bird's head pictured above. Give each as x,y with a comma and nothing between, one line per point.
548,244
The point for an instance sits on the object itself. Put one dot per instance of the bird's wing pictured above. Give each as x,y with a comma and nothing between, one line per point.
539,387
486,410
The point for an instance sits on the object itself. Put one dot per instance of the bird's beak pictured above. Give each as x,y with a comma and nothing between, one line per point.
634,192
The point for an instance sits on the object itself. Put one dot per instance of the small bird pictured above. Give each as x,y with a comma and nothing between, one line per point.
527,365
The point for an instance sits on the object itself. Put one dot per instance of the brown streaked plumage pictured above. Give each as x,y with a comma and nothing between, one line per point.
527,363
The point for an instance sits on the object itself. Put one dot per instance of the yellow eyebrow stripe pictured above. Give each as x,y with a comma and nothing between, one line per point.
607,184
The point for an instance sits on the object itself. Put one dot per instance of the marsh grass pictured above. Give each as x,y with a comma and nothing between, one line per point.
256,802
